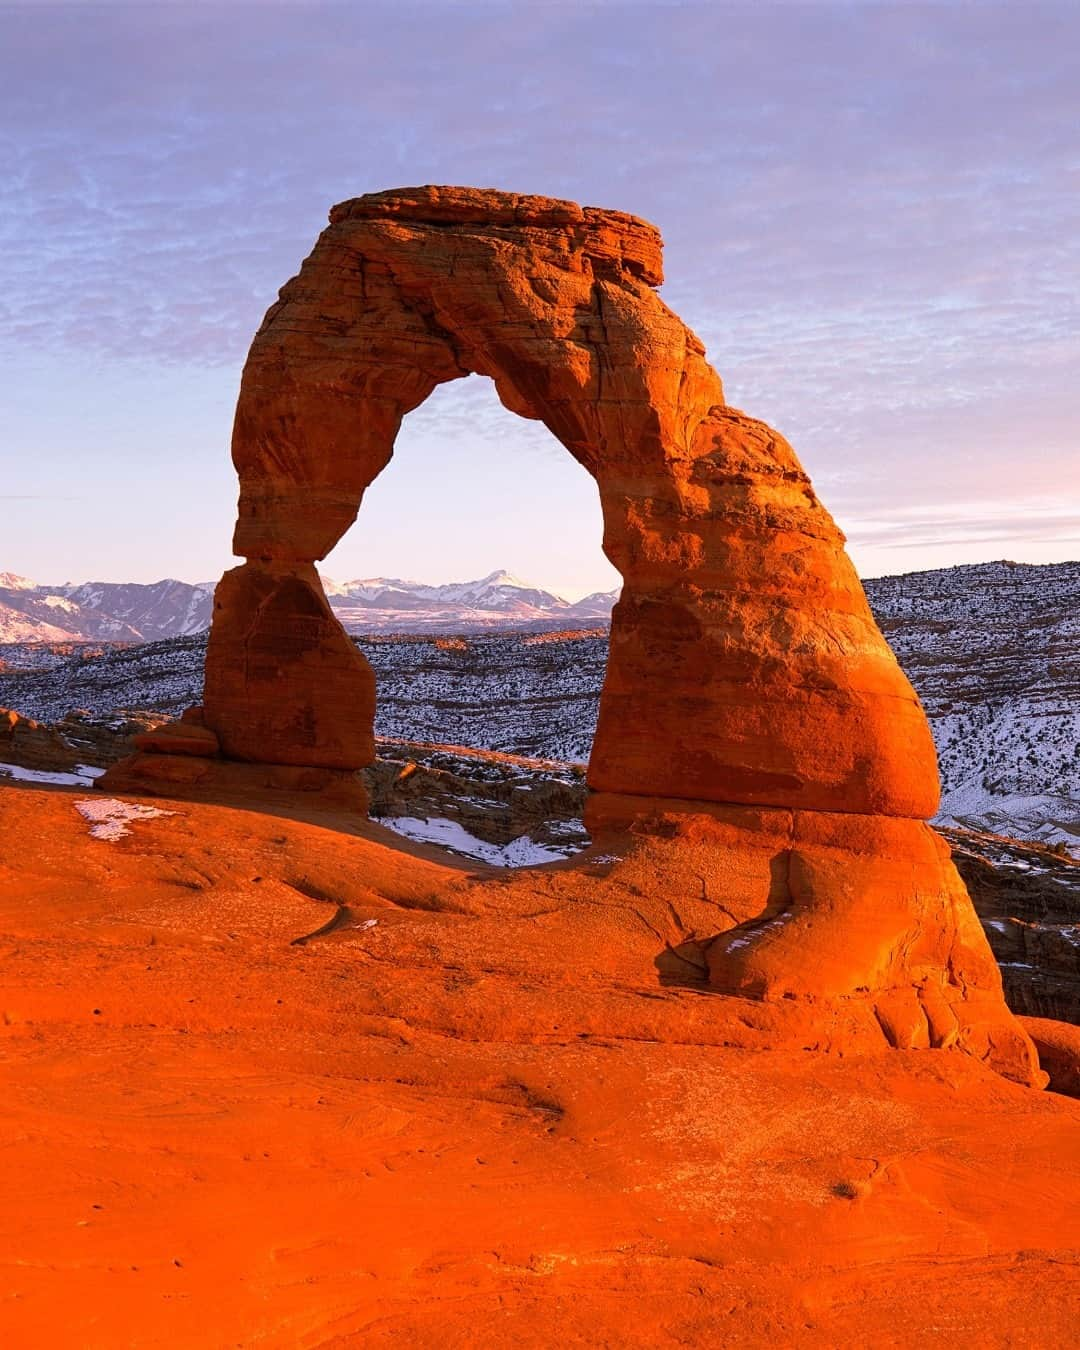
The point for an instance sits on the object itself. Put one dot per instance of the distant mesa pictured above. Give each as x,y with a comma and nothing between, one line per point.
755,730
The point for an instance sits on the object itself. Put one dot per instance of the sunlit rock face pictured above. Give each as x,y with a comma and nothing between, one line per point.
745,664
753,722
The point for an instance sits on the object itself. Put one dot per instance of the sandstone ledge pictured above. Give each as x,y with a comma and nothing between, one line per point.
470,1104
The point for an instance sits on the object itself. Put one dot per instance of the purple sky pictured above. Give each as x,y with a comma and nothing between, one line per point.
872,217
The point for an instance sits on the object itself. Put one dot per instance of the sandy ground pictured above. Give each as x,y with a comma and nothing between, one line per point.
465,1113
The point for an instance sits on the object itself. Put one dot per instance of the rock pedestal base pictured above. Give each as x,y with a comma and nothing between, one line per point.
862,914
157,775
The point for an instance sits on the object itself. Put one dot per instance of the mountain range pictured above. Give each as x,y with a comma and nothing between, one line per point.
105,611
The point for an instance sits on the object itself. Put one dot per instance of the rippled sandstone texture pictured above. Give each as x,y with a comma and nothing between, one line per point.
284,1083
752,714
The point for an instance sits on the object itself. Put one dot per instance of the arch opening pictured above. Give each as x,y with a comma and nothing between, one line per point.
474,586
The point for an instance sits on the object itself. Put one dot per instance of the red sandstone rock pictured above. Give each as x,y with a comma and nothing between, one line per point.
285,685
745,664
474,1111
750,698
153,774
149,772
1058,1046
866,915
32,745
179,738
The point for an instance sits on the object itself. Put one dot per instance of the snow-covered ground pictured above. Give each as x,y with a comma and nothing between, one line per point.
449,834
993,650
83,776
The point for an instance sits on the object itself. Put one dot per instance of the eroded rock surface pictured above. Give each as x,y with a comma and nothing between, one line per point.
447,1106
31,745
284,683
745,664
751,711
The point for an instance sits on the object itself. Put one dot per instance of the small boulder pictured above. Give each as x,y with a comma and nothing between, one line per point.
179,738
1058,1044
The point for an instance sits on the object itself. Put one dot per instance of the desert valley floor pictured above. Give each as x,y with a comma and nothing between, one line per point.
329,1088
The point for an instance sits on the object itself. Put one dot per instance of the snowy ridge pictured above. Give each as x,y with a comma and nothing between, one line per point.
390,604
98,611
993,650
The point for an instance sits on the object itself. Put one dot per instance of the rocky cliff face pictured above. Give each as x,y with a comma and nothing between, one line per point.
1028,900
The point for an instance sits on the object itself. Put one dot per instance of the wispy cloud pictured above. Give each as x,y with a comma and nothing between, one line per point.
872,212
964,523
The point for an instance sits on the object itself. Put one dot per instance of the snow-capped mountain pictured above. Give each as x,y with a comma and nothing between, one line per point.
11,581
499,600
101,611
126,612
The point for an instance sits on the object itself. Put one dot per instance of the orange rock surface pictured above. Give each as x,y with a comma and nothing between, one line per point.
1058,1047
746,672
273,1081
745,663
285,684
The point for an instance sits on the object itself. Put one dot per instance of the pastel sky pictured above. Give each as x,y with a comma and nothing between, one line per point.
871,212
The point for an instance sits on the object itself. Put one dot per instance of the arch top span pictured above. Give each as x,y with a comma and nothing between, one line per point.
610,238
745,665
407,289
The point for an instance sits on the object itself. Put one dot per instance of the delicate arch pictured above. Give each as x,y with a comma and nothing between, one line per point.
745,664
757,741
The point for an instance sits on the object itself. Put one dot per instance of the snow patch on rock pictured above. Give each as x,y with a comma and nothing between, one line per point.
448,834
109,817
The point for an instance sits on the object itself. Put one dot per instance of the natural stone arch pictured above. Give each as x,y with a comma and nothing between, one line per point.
760,757
745,665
